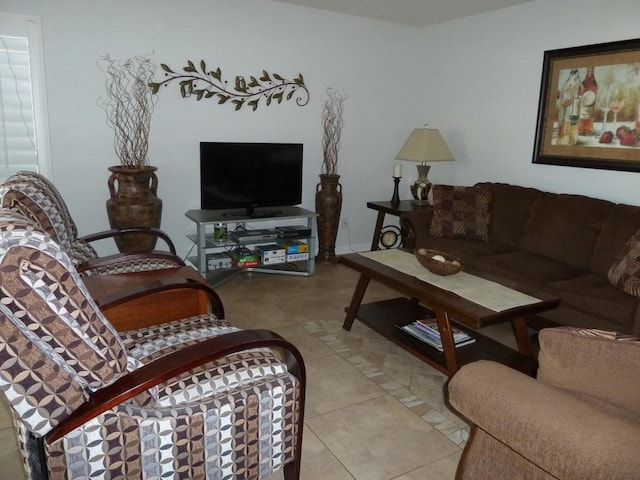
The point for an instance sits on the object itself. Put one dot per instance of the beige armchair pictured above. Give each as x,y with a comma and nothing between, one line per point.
580,419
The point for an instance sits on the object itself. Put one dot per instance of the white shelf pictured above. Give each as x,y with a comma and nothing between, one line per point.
207,219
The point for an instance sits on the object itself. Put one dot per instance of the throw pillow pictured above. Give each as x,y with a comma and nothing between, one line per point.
625,271
461,212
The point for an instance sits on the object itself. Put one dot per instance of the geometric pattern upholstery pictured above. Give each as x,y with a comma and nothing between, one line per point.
55,347
36,198
236,417
625,271
127,265
461,212
150,343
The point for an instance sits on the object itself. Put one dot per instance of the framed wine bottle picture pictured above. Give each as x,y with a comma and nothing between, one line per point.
589,107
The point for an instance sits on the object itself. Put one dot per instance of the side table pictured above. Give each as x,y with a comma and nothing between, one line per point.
157,296
392,209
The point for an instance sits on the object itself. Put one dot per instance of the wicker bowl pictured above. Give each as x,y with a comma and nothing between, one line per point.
450,265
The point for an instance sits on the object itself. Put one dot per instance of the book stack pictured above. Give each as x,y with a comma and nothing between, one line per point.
271,254
427,331
242,257
296,250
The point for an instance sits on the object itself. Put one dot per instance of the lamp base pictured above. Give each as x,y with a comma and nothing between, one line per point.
422,186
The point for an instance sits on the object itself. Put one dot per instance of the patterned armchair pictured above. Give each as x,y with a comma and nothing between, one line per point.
196,398
36,198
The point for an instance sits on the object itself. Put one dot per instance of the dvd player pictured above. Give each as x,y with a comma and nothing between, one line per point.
293,231
256,235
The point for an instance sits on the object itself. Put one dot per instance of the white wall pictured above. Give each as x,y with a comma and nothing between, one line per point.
477,79
482,83
242,37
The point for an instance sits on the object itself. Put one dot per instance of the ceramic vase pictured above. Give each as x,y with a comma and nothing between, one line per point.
134,203
328,208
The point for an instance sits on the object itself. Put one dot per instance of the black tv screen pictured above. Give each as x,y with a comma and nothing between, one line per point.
249,176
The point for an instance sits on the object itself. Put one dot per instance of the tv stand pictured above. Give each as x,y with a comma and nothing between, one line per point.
206,220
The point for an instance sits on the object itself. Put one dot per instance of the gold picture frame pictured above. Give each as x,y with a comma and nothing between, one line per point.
580,126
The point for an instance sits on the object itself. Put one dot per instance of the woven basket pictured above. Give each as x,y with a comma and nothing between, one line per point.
451,265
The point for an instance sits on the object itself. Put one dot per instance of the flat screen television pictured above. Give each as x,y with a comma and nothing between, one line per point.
250,179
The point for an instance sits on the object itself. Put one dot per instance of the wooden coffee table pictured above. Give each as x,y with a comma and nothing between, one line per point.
384,317
154,297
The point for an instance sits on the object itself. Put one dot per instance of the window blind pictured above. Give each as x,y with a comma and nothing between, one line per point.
18,138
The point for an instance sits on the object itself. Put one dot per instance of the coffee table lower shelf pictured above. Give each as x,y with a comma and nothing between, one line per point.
383,316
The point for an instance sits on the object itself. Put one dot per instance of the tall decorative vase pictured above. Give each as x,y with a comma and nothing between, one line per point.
134,204
328,207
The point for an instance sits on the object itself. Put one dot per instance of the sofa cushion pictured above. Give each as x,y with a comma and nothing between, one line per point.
619,226
461,212
525,271
625,271
565,227
592,293
510,209
598,364
567,316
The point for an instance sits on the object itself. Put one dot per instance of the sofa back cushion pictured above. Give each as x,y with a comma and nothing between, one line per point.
601,365
620,225
565,227
510,209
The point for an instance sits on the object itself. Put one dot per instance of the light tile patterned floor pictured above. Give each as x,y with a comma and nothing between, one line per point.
394,426
374,412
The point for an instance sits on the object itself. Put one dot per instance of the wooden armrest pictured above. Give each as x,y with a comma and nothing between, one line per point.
161,285
174,364
117,258
92,237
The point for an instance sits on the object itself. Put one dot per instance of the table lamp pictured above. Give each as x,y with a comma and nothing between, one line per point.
424,145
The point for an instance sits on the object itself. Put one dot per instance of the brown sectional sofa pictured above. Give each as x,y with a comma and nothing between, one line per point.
561,244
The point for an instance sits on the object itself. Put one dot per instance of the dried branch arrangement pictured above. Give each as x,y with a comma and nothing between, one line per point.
204,83
332,123
129,104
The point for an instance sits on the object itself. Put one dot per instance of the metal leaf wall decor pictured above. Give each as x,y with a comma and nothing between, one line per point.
205,83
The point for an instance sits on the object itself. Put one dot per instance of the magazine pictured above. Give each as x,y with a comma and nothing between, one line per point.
429,325
432,338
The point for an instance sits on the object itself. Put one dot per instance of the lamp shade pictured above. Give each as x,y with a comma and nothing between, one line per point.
425,145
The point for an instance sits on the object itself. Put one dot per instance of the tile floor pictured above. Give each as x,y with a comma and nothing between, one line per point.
374,412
